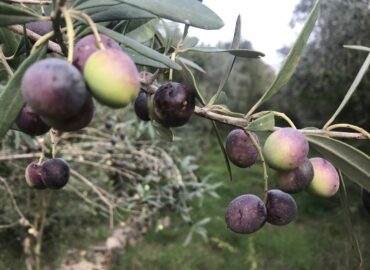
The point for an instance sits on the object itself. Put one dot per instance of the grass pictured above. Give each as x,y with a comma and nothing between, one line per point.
317,239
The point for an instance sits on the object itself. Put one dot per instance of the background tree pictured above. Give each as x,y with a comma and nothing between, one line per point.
326,69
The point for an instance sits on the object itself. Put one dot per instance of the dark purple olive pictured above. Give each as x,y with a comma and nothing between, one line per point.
141,106
281,207
30,122
33,176
54,89
174,104
240,148
246,214
79,121
55,173
295,180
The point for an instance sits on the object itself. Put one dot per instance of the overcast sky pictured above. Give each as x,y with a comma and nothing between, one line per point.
264,22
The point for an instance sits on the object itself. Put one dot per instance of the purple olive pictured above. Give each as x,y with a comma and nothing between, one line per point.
295,180
281,207
30,122
246,214
33,176
55,173
240,148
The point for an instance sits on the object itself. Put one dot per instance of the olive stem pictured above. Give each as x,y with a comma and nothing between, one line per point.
242,123
264,166
349,126
56,15
70,33
173,58
31,2
53,134
42,155
34,36
5,63
278,114
92,25
40,229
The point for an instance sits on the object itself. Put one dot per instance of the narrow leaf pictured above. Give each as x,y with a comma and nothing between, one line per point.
292,59
357,47
221,144
190,64
234,45
190,42
10,14
263,123
117,12
245,53
9,41
164,132
139,48
352,89
11,100
348,221
190,12
143,60
145,32
351,161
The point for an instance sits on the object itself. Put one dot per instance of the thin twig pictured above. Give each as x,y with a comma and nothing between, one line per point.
34,36
97,191
56,17
70,33
31,2
264,166
242,123
5,63
14,202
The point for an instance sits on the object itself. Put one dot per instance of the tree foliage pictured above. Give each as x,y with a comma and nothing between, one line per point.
326,70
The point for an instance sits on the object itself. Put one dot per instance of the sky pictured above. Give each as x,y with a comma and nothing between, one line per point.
264,22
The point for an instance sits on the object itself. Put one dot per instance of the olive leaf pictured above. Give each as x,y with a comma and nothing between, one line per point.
164,132
11,100
292,59
190,12
263,123
10,14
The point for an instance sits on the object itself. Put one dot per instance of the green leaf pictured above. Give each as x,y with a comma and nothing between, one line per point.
8,41
190,63
221,144
143,60
292,59
351,161
263,123
139,48
348,221
245,53
190,42
116,11
11,100
357,47
145,32
234,45
352,89
190,12
164,132
10,14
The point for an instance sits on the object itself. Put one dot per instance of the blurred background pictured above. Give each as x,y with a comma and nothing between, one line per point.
165,202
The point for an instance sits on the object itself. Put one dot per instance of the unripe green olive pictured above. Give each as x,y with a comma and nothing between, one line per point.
112,77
